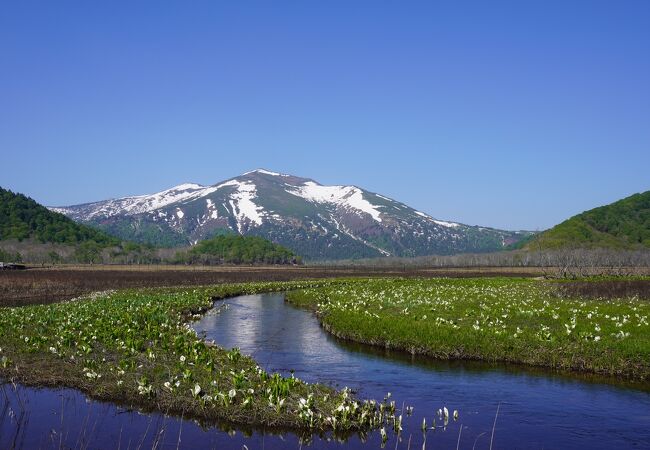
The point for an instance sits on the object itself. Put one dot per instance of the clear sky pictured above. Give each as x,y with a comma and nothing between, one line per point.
507,114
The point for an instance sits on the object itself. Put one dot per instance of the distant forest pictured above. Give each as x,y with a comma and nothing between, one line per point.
236,249
23,218
45,236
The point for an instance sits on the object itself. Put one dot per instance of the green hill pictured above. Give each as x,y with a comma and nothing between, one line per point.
236,249
624,224
23,218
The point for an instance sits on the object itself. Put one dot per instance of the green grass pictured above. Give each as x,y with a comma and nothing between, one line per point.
135,347
509,320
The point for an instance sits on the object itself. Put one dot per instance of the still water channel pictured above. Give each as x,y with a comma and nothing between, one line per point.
537,410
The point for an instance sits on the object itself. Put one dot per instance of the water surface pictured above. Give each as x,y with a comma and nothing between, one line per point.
537,409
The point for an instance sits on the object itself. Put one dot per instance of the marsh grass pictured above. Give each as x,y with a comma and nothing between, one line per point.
135,347
80,423
497,319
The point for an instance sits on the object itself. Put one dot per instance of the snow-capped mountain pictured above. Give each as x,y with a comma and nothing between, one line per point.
316,221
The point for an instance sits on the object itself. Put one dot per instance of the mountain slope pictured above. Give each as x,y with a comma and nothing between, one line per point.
23,218
622,224
316,221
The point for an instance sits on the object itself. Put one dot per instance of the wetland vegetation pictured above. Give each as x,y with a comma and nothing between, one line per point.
501,319
136,347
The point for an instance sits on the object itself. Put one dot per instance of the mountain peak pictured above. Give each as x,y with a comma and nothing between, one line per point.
265,172
317,221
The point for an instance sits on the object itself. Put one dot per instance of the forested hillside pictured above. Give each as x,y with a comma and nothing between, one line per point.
23,218
624,224
236,249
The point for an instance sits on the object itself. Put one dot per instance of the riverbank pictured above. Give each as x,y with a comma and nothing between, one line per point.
521,321
135,347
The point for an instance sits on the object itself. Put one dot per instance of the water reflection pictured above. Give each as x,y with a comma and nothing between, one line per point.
537,409
577,408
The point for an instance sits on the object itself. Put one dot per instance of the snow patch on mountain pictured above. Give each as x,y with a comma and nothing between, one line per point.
211,208
343,196
146,203
266,172
439,222
446,224
242,204
61,210
141,203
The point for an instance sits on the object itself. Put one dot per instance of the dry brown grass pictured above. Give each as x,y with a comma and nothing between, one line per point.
52,284
47,285
606,288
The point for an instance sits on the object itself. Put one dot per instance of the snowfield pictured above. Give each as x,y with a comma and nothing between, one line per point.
342,196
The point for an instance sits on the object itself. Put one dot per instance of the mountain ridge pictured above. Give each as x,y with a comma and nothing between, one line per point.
314,220
21,217
623,224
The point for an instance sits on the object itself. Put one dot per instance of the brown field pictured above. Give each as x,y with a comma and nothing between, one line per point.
606,289
39,285
47,285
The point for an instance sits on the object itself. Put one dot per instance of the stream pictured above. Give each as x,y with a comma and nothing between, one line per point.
536,409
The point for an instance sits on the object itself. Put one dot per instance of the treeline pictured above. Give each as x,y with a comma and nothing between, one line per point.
566,262
236,249
89,252
23,218
227,249
6,256
30,232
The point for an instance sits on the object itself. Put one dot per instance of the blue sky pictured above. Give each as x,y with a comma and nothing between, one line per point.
507,114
